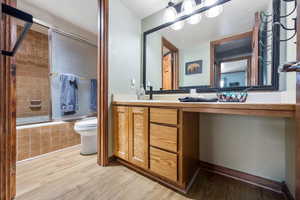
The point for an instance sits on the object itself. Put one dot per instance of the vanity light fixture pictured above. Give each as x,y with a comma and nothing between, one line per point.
170,13
177,26
208,3
190,11
215,11
188,7
195,19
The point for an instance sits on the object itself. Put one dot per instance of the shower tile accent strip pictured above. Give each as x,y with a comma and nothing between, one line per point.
35,141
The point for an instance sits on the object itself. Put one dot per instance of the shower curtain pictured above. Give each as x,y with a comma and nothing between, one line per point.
71,55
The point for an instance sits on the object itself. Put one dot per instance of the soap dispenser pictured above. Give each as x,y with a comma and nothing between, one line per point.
141,92
193,93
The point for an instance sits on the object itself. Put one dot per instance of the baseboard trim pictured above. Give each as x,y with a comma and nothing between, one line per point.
112,159
279,187
242,176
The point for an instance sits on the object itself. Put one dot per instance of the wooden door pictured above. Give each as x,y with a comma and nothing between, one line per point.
167,72
139,136
7,109
170,66
121,130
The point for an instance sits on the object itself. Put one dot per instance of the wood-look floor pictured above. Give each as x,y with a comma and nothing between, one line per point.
67,175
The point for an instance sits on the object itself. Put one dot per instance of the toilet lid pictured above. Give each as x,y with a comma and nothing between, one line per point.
89,123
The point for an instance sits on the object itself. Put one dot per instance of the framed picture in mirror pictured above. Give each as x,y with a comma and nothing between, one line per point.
194,67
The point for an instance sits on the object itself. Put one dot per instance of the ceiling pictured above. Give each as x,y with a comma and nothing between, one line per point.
238,14
77,11
73,11
144,8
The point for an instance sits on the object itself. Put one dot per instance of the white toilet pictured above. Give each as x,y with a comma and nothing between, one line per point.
87,128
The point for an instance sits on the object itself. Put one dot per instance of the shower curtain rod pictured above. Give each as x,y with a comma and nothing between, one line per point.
72,35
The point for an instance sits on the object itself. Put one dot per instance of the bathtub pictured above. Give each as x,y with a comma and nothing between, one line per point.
34,119
41,138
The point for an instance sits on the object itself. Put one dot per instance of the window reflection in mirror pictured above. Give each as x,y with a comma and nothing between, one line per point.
234,72
233,62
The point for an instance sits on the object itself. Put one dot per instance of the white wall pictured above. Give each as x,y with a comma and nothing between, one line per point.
154,63
253,145
199,52
124,51
291,51
291,155
154,60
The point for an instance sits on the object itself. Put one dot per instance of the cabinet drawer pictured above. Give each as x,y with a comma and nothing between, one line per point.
164,116
163,163
163,137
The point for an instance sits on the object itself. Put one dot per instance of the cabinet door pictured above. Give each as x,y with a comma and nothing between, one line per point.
139,137
121,131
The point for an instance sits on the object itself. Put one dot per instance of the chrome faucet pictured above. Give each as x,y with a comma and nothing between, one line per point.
151,93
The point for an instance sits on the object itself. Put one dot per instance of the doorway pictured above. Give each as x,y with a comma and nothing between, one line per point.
8,102
170,65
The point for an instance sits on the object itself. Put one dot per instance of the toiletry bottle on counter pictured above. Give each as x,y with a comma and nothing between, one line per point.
193,93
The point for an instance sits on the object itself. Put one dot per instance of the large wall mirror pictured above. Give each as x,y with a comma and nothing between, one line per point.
239,49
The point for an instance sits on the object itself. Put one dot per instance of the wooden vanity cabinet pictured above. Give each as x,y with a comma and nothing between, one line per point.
121,132
138,136
131,135
162,143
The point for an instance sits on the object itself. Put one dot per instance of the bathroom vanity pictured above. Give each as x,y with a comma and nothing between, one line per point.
160,139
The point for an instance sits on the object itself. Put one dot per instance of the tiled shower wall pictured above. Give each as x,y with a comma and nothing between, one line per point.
36,141
32,74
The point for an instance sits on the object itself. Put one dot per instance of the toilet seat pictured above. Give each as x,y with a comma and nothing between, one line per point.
86,125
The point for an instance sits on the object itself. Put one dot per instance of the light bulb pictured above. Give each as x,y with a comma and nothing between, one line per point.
208,3
170,14
188,7
195,19
177,26
214,12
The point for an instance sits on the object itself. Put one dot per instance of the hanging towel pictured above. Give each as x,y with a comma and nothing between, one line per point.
93,100
69,94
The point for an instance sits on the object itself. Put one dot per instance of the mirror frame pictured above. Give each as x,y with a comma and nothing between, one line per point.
207,89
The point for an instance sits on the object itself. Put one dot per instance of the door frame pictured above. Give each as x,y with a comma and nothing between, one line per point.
7,109
214,45
102,70
8,99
